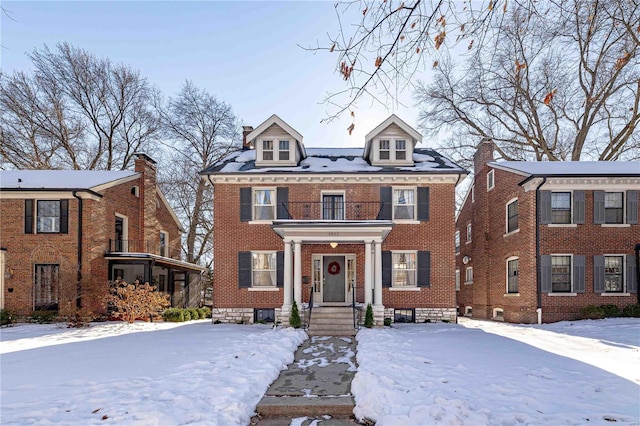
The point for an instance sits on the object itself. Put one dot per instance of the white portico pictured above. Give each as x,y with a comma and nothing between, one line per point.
370,234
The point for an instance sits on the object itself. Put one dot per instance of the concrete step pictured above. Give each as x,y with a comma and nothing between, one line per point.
337,333
324,420
294,406
327,320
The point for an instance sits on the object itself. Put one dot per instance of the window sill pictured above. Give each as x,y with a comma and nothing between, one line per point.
615,294
468,242
404,289
616,225
511,233
468,282
406,221
561,294
512,295
261,222
264,289
562,225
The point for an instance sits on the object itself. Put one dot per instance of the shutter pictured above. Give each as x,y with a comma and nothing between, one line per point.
245,205
545,207
28,216
64,216
598,207
545,273
387,268
423,203
386,203
578,207
424,269
578,273
280,269
244,269
598,274
632,207
282,198
632,274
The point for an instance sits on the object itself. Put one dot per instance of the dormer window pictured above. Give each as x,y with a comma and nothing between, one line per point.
401,149
276,149
392,149
384,150
267,150
283,150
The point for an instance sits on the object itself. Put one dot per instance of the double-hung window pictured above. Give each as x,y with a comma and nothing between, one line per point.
560,207
46,286
283,150
404,269
490,180
404,203
457,279
457,242
512,216
469,232
267,149
263,269
48,216
561,274
613,207
512,275
401,149
613,274
164,242
385,149
468,277
264,204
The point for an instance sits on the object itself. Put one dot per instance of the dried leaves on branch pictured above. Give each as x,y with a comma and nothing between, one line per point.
136,301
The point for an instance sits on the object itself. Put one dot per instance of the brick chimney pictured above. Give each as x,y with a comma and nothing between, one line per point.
245,143
148,197
483,154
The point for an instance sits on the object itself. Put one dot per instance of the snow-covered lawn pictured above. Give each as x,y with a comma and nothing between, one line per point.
472,373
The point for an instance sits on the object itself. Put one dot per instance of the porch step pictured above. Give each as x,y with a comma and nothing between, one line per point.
331,321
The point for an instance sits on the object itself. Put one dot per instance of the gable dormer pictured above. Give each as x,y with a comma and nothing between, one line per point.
276,143
391,143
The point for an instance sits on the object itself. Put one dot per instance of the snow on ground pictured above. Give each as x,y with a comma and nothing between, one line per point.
140,374
472,373
490,373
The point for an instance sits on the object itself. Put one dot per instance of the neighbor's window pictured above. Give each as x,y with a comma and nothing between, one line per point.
561,274
457,279
164,240
490,180
457,240
469,233
560,207
613,267
512,275
267,150
468,279
512,216
404,269
385,150
403,315
48,216
283,150
263,269
404,204
401,149
46,286
264,204
613,207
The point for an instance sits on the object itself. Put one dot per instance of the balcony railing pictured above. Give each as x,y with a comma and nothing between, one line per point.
142,246
338,211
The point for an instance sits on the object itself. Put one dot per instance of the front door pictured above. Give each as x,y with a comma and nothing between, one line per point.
334,273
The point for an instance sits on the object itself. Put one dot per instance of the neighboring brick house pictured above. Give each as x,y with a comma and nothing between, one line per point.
378,219
580,219
65,234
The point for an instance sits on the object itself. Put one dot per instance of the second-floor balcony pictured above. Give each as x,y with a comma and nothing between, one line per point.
333,210
142,246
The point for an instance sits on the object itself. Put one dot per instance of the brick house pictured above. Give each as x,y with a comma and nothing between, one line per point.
350,225
580,219
66,233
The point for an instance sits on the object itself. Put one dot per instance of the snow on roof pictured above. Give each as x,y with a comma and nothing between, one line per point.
334,160
569,168
60,179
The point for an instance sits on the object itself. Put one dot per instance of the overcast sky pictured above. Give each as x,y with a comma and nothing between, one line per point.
245,53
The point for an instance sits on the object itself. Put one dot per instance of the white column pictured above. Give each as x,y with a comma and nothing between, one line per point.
288,284
377,280
297,273
368,269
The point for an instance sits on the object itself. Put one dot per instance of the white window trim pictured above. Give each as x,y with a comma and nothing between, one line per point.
563,225
456,244
468,311
466,275
506,217
457,279
125,231
275,284
469,233
415,270
35,216
334,192
624,210
506,264
166,243
253,205
491,182
415,204
624,274
571,293
276,150
473,193
495,316
392,149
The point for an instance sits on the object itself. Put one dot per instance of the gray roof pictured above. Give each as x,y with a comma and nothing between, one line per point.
59,179
570,168
335,160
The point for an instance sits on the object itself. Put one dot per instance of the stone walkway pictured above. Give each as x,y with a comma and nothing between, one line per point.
315,389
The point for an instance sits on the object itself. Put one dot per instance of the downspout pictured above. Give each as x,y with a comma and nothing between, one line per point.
637,250
79,284
538,270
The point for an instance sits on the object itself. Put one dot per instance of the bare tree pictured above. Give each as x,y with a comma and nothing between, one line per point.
75,111
559,84
198,129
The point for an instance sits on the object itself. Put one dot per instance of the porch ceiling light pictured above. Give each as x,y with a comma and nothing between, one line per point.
333,244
